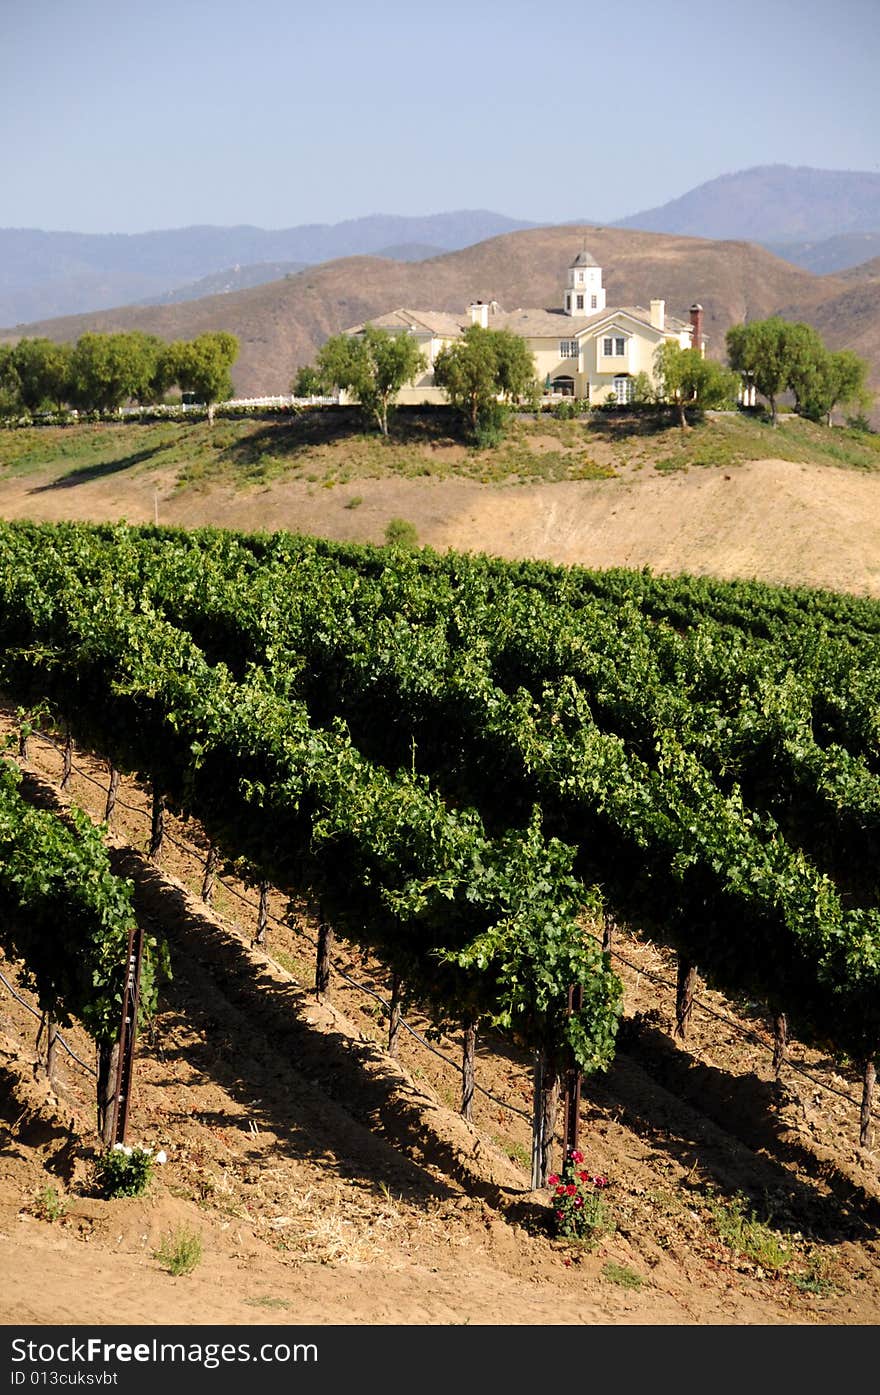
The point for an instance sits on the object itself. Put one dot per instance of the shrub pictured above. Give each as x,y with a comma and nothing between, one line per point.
491,425
579,1211
401,533
123,1171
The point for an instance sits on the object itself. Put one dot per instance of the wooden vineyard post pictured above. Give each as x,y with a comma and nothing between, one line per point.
112,792
780,1043
157,822
108,1063
571,1121
127,1034
322,963
537,1121
868,1082
394,1015
684,995
262,914
210,876
67,767
607,936
468,1055
544,1104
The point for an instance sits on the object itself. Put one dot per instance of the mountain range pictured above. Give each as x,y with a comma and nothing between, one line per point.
823,220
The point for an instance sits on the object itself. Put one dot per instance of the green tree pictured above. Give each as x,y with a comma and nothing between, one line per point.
107,370
516,366
10,399
373,366
480,367
202,366
687,379
773,355
307,383
41,369
839,379
806,355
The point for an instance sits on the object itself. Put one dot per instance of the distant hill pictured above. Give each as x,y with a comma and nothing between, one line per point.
45,274
282,323
865,271
832,254
410,252
234,278
771,204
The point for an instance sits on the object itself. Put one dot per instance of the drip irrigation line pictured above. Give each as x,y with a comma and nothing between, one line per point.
735,1027
58,1037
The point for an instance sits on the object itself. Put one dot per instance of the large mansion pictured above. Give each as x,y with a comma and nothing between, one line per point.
583,349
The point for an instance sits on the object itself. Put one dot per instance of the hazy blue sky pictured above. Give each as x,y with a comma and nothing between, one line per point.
120,117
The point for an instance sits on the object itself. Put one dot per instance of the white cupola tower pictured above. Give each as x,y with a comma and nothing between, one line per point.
584,294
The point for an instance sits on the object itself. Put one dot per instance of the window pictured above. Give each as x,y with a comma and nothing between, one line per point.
568,348
580,302
568,302
614,347
564,386
594,302
623,389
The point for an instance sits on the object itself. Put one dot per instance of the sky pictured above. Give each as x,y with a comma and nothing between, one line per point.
124,117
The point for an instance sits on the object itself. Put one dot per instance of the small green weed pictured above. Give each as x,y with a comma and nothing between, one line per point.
267,1301
622,1275
48,1205
180,1251
742,1231
354,502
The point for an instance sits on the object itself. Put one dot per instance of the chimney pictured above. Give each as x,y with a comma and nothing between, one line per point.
697,327
479,314
658,314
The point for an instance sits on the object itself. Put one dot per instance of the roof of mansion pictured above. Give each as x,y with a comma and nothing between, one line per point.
531,324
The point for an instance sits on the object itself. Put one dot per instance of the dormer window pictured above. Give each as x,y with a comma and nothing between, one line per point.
614,347
579,302
568,348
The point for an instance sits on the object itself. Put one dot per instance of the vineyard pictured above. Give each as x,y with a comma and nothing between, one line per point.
476,770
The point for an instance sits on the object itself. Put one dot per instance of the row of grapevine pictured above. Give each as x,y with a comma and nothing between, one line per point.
67,918
710,753
478,927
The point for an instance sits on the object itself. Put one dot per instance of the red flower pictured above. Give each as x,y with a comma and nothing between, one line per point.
577,1157
585,1177
571,1189
552,1179
560,1190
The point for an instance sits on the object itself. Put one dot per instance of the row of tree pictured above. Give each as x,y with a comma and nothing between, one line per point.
777,357
103,372
487,368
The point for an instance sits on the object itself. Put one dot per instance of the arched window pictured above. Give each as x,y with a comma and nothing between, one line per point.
563,385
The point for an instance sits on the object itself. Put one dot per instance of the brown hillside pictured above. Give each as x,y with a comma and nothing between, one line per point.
865,271
282,323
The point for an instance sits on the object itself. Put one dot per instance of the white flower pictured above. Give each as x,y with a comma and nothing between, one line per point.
161,1156
118,1148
